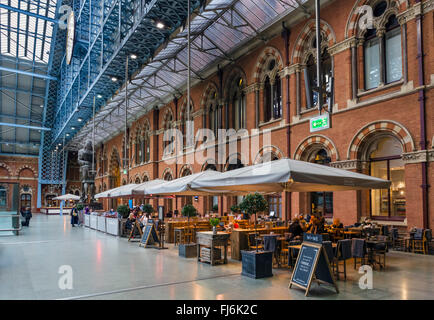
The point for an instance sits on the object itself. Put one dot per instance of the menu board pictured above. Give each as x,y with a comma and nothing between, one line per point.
305,264
312,265
150,235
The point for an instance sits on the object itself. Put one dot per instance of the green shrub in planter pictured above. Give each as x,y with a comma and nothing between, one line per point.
214,222
254,203
124,211
147,208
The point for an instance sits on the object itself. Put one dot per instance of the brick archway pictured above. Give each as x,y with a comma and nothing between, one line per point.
26,167
323,141
211,87
308,30
353,19
4,165
382,126
263,58
234,73
273,150
167,171
185,167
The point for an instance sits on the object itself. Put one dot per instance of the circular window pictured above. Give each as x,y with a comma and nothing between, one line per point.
380,8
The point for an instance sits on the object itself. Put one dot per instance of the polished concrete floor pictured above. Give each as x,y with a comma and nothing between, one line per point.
107,267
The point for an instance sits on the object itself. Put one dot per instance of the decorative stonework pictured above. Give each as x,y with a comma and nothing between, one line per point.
326,142
350,165
342,46
395,128
287,71
415,10
431,155
7,168
267,54
415,157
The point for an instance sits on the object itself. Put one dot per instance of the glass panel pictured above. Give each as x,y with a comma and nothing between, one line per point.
379,197
393,56
2,197
397,187
372,63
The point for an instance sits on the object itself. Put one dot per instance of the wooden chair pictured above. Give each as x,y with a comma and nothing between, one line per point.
343,253
421,245
251,239
380,251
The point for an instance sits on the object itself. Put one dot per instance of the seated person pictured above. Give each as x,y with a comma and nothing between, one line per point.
302,222
295,230
337,223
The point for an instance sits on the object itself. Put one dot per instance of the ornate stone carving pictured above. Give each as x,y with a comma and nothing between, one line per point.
431,155
342,46
415,157
349,165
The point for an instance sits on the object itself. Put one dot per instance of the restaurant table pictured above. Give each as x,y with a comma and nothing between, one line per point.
239,239
370,245
351,234
268,245
211,242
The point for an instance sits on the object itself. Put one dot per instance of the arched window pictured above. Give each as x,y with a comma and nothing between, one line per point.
237,102
184,120
169,147
311,81
3,196
272,92
385,159
321,202
137,181
382,49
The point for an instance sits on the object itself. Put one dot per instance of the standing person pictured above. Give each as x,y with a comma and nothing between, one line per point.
27,216
74,216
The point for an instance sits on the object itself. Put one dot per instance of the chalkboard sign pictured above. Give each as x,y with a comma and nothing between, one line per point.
312,265
310,237
150,235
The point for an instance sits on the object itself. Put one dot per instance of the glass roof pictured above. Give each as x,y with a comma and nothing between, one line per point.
24,36
221,28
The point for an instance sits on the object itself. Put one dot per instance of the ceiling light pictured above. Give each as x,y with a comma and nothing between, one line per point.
41,105
99,96
67,134
72,128
160,25
60,144
114,79
80,119
133,56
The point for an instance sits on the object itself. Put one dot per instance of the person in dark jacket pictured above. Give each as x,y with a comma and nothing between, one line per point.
295,230
74,216
27,215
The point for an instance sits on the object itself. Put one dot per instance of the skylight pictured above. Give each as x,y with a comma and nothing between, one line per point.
23,36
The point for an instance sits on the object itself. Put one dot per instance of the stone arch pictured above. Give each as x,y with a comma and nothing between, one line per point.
4,165
167,171
114,159
307,34
206,95
273,150
377,127
316,141
184,168
183,108
26,167
145,177
233,159
207,163
137,178
262,62
351,28
235,71
168,118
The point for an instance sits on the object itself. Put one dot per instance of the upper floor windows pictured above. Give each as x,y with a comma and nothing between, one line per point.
272,93
382,48
237,101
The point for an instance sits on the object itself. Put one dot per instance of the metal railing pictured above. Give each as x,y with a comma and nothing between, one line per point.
17,216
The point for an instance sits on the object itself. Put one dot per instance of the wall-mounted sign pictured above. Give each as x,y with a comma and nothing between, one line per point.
320,123
70,37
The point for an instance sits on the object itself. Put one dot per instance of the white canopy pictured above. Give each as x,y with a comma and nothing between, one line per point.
105,194
67,196
180,186
289,175
134,189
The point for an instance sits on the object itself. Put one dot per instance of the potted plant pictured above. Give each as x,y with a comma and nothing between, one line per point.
148,208
256,264
214,222
188,250
124,211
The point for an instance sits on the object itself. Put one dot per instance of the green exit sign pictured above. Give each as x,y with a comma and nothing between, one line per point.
320,123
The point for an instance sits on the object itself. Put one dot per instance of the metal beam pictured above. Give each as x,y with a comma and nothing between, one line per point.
19,155
23,126
27,73
28,13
